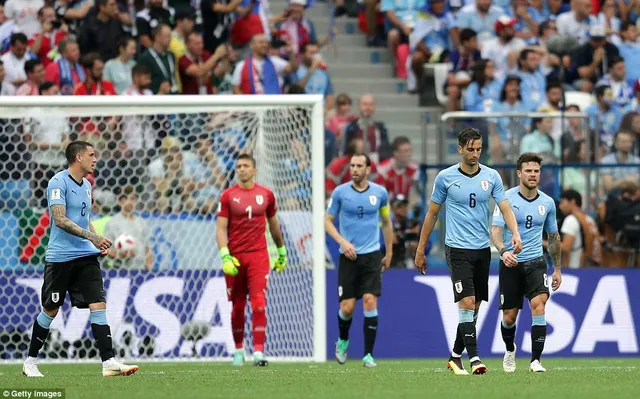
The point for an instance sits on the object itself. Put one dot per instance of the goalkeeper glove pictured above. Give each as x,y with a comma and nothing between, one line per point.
230,263
281,261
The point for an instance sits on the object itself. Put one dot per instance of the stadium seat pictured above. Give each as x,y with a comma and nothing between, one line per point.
435,76
579,98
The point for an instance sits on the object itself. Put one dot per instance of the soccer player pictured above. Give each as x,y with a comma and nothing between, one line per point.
466,189
243,212
359,207
526,274
71,261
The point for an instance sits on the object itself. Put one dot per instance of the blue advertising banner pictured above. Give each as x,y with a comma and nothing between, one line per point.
594,313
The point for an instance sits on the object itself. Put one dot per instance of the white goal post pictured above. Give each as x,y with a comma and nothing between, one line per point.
176,153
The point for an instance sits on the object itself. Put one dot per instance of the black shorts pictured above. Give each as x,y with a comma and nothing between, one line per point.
80,277
469,272
527,279
360,276
404,39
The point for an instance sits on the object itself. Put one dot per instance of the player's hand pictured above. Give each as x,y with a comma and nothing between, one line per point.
349,250
516,244
386,262
556,280
102,243
421,262
510,259
281,262
230,263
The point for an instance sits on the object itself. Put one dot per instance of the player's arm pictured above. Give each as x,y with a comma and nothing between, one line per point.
555,245
512,224
229,263
221,232
387,229
59,214
332,211
276,234
497,239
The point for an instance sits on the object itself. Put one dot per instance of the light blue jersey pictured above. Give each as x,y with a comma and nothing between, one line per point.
359,214
466,198
533,215
76,197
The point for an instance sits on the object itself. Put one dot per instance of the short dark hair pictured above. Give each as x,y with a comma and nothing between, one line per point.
576,106
248,156
41,10
553,84
64,43
31,65
524,54
468,134
183,14
123,42
367,160
89,60
45,86
140,69
155,31
615,60
572,195
398,141
528,157
303,47
126,191
101,3
194,33
600,91
18,38
296,89
74,148
626,25
467,34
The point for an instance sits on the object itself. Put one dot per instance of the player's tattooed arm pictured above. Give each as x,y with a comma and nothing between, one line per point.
555,249
497,237
59,213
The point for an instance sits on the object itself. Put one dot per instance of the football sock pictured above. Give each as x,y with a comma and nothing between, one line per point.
538,336
101,333
370,330
468,330
508,335
39,333
458,346
237,322
259,323
344,323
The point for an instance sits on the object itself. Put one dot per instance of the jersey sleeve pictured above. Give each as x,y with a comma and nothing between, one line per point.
223,205
551,223
439,193
271,207
498,189
384,203
498,219
334,203
57,192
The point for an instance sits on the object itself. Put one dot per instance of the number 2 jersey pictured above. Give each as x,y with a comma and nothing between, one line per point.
247,211
533,216
466,198
76,197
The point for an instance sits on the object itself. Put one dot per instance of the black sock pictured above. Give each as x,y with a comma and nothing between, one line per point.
370,330
538,336
508,336
38,337
102,335
343,326
458,346
469,337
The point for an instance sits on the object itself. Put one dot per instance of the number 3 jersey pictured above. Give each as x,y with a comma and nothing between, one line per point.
246,211
358,214
76,197
533,216
466,198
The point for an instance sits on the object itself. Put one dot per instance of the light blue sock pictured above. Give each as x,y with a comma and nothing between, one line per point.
371,313
505,325
466,316
538,321
44,320
342,316
98,317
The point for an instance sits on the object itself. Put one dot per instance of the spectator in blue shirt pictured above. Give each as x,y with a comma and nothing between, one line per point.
557,7
538,10
630,50
621,90
604,116
401,17
480,17
526,27
534,83
429,41
484,89
462,66
313,76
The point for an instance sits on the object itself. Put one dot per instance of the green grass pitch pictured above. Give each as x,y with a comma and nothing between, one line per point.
565,378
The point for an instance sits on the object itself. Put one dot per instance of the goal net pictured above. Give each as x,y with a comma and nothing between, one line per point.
165,159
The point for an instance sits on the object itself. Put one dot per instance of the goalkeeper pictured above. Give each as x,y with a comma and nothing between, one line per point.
242,212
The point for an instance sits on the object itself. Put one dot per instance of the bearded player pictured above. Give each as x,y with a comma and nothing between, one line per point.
242,212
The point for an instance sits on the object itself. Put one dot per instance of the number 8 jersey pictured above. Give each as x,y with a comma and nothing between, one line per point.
466,198
76,198
247,210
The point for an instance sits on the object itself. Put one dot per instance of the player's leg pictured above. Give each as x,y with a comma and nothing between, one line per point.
54,291
537,290
511,298
370,285
86,289
481,259
237,291
257,279
347,295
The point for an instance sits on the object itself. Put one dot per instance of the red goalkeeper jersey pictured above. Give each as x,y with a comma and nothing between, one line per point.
247,210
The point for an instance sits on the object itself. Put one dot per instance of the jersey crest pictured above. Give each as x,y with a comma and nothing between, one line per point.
542,210
373,199
484,184
55,297
259,199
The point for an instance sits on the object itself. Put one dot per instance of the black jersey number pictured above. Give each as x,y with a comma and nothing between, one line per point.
83,211
472,200
360,212
528,222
